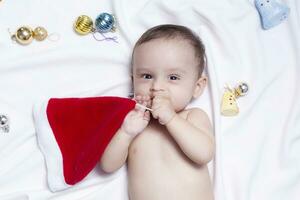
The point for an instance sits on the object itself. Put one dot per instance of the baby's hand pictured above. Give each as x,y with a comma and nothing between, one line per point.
163,109
137,120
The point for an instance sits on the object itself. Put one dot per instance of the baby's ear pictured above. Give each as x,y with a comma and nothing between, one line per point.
200,85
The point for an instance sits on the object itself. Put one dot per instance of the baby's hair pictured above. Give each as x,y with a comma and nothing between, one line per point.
171,31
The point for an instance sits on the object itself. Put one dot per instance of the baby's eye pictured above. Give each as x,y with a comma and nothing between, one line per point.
174,77
146,76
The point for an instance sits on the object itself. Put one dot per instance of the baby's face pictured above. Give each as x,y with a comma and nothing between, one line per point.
167,66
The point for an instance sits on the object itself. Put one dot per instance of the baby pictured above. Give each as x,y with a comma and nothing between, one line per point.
167,150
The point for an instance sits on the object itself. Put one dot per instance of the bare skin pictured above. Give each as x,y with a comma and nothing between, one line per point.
167,173
166,151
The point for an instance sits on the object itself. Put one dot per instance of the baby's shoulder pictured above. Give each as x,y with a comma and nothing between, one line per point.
198,117
195,112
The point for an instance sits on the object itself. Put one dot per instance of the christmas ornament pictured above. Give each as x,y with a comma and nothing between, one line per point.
40,33
4,123
272,12
73,133
241,89
104,23
24,35
83,25
229,105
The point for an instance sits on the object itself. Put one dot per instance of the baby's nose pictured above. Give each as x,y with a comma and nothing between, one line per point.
157,86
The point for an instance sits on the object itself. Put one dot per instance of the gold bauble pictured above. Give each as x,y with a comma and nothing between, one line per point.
40,33
24,35
83,25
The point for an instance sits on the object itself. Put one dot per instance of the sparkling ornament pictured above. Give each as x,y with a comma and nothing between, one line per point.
105,23
241,89
24,35
40,33
4,123
83,25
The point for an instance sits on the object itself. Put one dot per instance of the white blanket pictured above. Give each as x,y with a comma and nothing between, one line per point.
257,155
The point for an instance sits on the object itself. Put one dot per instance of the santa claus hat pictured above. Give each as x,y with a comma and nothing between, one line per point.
73,133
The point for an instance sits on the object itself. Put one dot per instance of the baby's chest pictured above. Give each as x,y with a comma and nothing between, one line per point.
155,144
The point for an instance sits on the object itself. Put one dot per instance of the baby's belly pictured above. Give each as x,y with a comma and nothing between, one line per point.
159,170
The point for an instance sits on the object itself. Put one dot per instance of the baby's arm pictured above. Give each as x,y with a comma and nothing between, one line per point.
194,135
116,152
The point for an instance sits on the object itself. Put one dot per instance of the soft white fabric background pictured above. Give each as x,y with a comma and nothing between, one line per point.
257,154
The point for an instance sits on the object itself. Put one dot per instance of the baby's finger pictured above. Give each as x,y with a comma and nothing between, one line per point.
138,97
142,107
155,112
145,97
155,109
144,101
156,100
154,115
148,97
139,107
149,103
147,115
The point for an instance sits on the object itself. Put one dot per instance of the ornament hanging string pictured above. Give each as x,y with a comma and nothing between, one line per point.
12,36
53,37
114,39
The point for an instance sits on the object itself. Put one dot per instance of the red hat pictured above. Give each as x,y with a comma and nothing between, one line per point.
73,133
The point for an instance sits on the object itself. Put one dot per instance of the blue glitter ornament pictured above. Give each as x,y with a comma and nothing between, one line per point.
104,23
